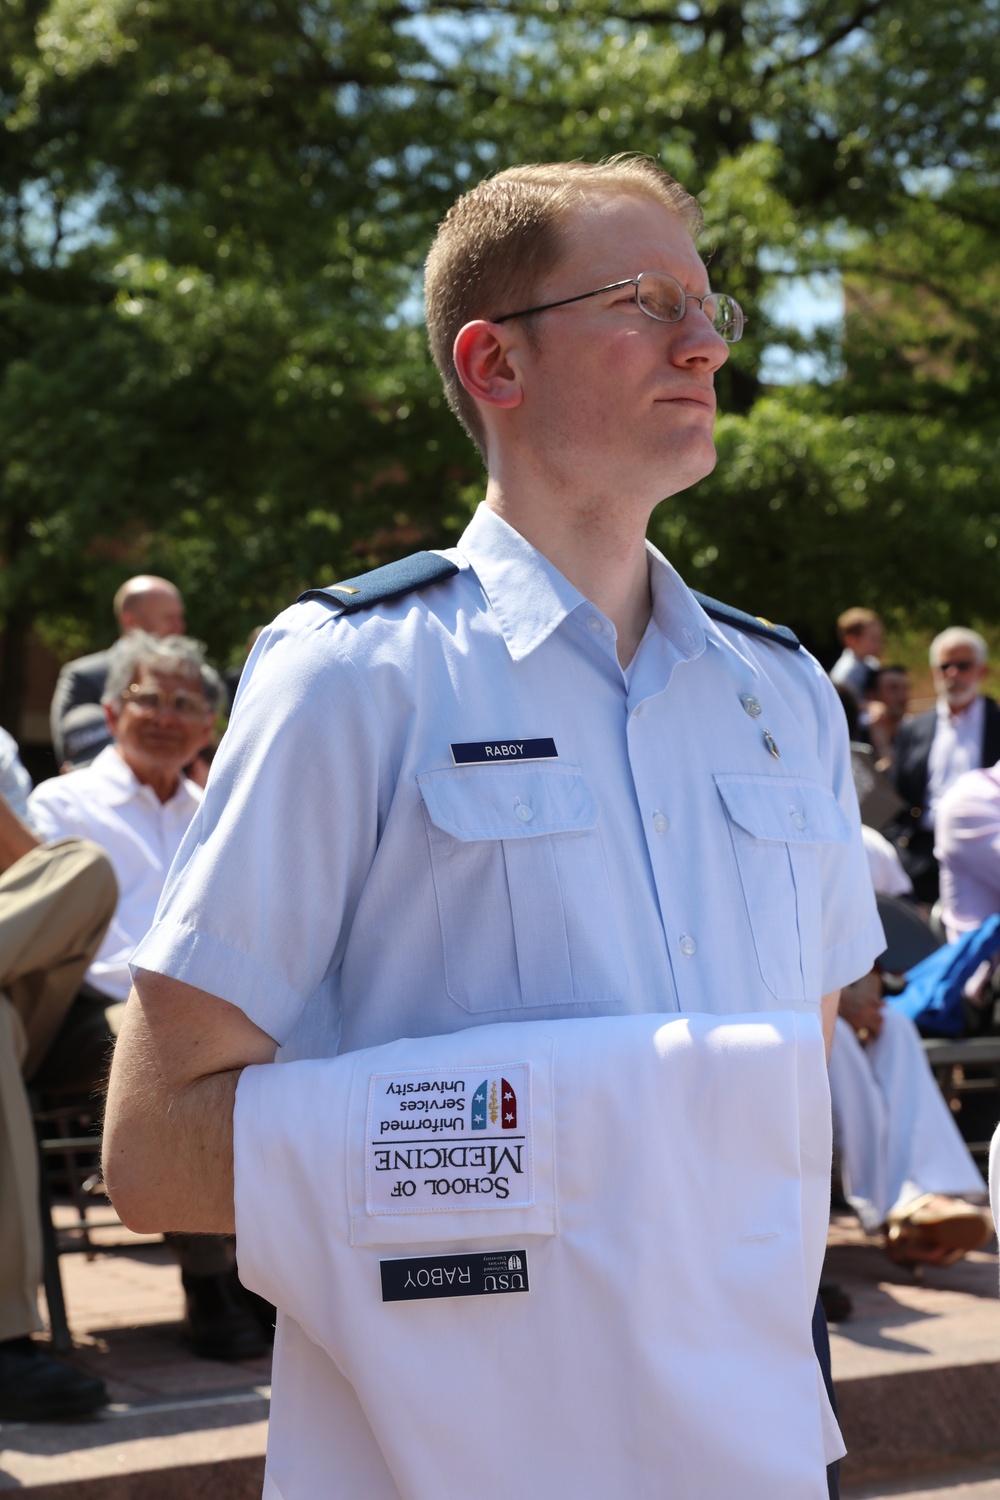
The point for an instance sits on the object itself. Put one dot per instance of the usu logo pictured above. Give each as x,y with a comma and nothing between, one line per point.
494,1103
418,1278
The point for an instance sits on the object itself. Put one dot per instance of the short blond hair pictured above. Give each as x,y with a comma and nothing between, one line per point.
500,240
854,620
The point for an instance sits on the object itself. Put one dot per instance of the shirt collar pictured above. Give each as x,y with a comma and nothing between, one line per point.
530,598
117,783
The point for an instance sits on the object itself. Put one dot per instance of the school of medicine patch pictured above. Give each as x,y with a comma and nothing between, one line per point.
442,1140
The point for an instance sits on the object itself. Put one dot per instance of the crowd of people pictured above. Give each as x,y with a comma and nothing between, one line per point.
83,860
133,729
931,839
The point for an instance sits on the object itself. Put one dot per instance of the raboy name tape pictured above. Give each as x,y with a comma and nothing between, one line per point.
492,752
417,1278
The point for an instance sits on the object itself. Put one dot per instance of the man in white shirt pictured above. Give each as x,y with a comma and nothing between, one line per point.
531,778
961,733
136,803
146,603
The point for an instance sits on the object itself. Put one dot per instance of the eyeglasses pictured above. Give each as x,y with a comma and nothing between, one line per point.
659,296
155,700
957,666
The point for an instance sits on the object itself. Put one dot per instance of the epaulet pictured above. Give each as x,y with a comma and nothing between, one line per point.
388,582
755,624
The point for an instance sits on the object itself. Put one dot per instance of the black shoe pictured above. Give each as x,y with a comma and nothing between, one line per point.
265,1312
34,1387
837,1305
219,1323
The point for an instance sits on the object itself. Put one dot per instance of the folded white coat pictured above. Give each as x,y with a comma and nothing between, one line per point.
539,1259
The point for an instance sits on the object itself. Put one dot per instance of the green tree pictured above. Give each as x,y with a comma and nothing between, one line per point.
212,220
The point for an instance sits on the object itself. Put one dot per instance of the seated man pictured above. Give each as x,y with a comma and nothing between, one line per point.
55,904
135,801
904,1164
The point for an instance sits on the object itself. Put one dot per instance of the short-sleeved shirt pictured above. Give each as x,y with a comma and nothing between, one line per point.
107,803
456,808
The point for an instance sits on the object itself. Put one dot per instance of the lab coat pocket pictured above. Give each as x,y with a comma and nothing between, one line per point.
522,888
455,1152
778,825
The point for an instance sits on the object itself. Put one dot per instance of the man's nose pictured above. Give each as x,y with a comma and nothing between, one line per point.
697,340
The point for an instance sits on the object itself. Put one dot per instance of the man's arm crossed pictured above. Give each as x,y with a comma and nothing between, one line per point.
168,1133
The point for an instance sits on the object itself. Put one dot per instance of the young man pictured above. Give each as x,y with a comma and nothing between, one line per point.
531,779
861,635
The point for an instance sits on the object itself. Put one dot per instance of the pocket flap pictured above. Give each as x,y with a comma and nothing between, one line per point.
508,802
784,809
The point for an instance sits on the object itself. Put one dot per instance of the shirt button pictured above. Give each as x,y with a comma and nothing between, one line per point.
524,813
688,946
660,823
797,818
594,624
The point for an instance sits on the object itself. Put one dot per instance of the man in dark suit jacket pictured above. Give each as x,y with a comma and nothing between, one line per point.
143,603
961,733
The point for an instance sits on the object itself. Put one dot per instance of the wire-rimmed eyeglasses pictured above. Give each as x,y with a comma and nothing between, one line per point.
659,296
148,701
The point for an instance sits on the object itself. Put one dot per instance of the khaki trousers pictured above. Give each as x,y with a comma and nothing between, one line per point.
55,905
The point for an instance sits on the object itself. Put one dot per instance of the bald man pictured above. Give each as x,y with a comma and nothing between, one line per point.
142,603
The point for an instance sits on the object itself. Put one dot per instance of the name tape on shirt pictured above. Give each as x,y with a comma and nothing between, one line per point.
487,752
490,1274
447,1139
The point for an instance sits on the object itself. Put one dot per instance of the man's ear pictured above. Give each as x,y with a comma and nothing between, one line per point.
482,360
110,716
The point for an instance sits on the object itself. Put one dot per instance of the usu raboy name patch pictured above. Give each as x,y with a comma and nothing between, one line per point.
419,1277
495,752
449,1139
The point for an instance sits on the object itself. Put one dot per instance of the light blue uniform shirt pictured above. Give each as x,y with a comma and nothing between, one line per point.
345,882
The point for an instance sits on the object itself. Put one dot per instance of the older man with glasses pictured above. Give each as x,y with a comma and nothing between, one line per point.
135,802
961,733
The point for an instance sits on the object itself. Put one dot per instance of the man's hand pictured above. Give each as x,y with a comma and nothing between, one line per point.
16,838
168,1131
861,1006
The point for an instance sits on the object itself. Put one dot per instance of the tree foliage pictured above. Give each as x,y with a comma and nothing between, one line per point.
212,222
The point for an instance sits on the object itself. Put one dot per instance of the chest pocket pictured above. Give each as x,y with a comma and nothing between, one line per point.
778,826
522,887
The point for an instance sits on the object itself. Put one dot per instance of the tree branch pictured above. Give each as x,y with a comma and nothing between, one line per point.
863,13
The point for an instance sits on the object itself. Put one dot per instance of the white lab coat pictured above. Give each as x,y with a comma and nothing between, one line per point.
668,1208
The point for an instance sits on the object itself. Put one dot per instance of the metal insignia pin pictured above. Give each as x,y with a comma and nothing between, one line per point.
750,704
769,742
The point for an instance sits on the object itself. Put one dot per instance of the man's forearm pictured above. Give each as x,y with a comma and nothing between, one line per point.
168,1135
16,838
828,1015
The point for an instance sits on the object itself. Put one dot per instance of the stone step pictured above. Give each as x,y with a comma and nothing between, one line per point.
917,1369
917,1366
